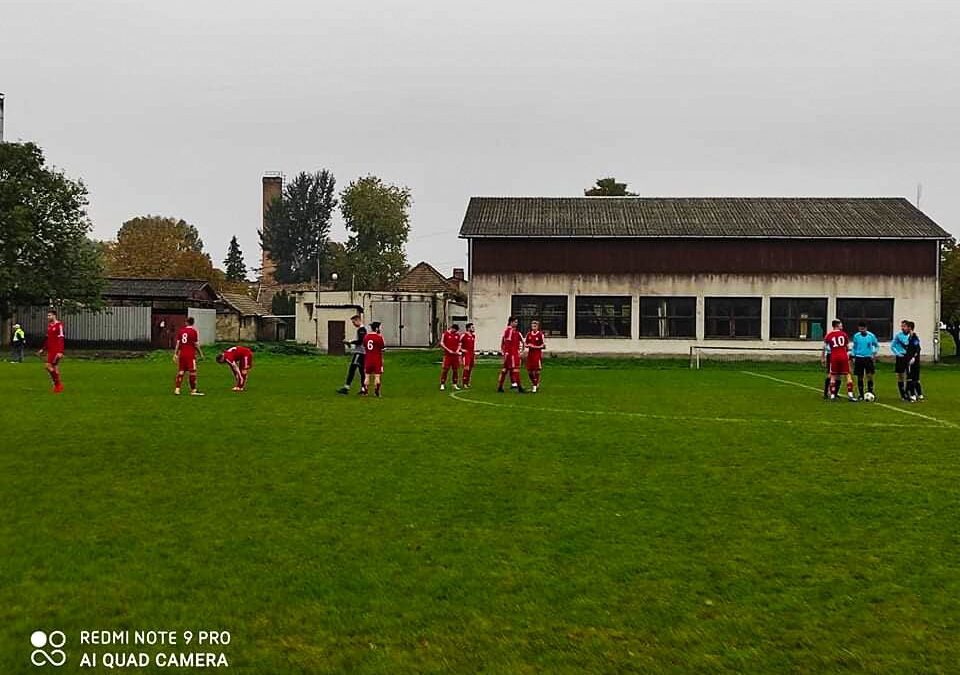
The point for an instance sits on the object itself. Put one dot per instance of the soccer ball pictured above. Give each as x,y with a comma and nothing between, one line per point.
869,397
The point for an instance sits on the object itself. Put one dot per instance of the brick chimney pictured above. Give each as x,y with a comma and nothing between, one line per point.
458,273
272,189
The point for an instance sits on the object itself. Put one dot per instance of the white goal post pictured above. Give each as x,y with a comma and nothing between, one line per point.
747,353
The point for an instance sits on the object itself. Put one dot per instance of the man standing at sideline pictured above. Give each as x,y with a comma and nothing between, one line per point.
356,361
899,348
185,356
865,348
54,347
511,344
450,343
17,344
468,346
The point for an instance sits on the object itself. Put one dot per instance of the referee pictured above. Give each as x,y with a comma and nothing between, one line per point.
356,362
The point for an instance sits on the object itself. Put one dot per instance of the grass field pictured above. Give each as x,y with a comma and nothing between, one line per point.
632,517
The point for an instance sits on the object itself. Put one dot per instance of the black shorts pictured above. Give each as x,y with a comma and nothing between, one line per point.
901,364
863,364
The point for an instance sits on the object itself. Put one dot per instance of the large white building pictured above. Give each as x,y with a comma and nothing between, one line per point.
660,275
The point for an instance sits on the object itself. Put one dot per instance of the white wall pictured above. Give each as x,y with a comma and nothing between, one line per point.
490,304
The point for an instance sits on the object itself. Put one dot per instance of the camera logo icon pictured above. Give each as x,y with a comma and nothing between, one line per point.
48,648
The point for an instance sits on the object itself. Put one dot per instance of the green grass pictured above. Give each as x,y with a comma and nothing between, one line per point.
632,517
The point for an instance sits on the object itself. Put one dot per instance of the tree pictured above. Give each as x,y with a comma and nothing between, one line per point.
377,217
950,290
163,248
297,226
608,187
45,255
236,268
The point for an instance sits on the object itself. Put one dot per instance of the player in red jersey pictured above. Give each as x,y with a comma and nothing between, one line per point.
240,360
838,341
373,361
468,349
185,356
511,344
535,347
450,342
54,348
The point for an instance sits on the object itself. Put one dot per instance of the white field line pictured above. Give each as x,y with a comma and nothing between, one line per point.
882,405
458,396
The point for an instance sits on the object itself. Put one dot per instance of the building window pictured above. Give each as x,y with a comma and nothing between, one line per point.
798,318
732,318
877,312
603,316
668,317
549,310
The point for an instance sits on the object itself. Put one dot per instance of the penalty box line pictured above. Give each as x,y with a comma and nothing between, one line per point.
458,396
913,413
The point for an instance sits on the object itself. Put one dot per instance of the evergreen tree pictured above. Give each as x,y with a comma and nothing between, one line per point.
235,267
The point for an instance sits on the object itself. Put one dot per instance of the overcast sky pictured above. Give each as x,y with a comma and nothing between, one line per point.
177,108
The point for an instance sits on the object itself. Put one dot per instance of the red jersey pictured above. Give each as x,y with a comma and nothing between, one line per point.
450,341
468,342
55,338
534,340
187,340
373,360
838,341
510,342
239,355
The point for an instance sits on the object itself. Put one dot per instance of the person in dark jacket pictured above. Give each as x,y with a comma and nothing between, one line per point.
356,361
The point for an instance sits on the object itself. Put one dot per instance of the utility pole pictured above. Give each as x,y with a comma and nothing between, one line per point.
1,117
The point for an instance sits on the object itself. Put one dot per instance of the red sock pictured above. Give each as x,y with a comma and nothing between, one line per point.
193,381
455,378
500,380
179,379
56,377
849,387
466,376
443,375
515,377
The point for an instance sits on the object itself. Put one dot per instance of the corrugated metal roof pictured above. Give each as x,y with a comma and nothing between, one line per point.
729,217
153,288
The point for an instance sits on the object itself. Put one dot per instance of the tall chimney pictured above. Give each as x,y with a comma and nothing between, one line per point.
272,189
458,273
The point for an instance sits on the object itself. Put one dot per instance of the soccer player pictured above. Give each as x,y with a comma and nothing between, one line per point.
865,348
914,390
450,342
838,342
54,347
373,361
899,348
511,344
240,360
468,348
825,360
535,347
356,363
185,356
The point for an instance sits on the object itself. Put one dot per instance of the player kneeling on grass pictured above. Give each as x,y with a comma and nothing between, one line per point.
373,359
535,347
838,342
185,356
450,343
240,360
865,348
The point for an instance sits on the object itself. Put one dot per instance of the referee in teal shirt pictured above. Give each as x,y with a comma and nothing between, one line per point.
864,349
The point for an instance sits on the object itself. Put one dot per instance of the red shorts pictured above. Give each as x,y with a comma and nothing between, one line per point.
840,366
244,363
511,361
468,361
54,359
373,367
534,360
187,363
451,361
